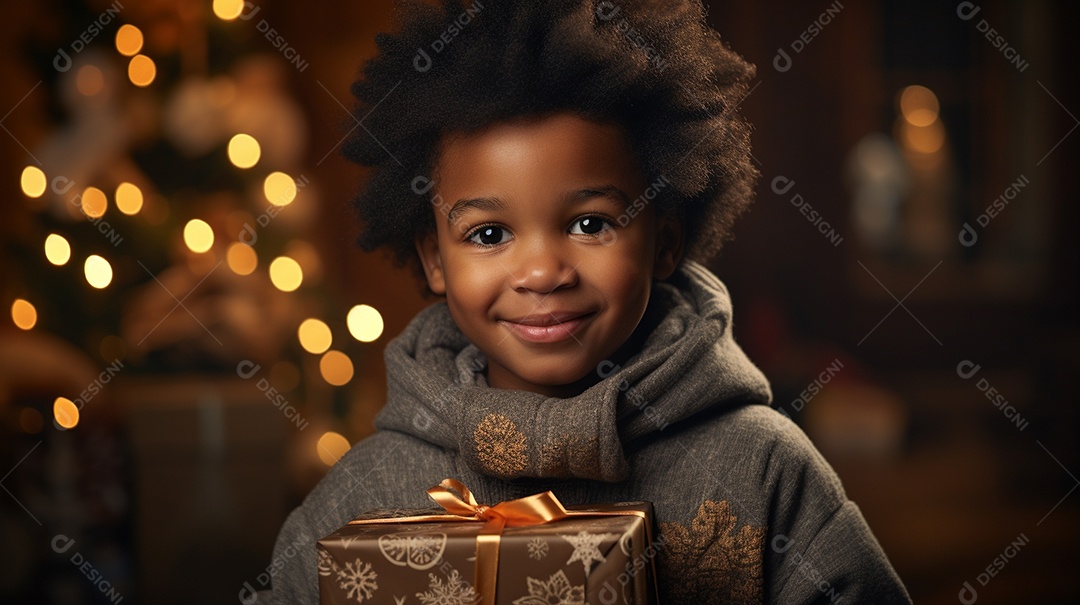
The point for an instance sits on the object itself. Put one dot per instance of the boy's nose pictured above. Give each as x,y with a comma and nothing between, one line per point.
543,268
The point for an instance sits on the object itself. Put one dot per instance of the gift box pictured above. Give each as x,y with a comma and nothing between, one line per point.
531,551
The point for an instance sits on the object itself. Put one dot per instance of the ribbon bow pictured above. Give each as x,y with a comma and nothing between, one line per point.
531,510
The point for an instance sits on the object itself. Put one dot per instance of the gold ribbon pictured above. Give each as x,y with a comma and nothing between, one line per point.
531,510
523,512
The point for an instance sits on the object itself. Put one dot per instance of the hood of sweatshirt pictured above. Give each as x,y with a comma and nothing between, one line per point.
689,364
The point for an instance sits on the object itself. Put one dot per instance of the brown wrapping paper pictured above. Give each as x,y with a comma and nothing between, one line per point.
602,560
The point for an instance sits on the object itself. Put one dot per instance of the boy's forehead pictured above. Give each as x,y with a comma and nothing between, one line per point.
561,151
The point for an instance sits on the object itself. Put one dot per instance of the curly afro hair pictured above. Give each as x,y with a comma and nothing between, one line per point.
651,66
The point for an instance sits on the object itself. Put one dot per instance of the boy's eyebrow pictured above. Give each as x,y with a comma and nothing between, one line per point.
608,191
494,203
480,203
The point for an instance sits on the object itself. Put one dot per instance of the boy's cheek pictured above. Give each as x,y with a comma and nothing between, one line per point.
474,276
472,288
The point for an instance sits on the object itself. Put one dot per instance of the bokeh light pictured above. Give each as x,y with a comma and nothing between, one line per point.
89,80
65,412
923,139
98,271
198,236
57,249
244,150
919,105
336,368
241,258
129,199
331,447
286,274
23,314
227,10
94,202
279,188
142,71
32,181
315,336
365,323
129,40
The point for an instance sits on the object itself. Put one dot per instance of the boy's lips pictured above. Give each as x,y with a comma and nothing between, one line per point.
547,327
548,319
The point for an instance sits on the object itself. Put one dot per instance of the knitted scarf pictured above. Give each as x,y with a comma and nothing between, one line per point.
689,363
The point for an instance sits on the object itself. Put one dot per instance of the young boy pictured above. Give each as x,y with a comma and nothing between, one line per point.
558,171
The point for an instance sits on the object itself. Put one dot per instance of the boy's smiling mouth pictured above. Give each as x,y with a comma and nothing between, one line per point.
550,327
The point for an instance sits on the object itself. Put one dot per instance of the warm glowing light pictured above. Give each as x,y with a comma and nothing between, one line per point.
365,323
23,314
286,274
241,258
129,40
315,336
141,70
924,139
198,236
94,202
98,271
89,80
33,181
280,188
919,105
336,368
66,412
57,249
30,421
244,151
332,446
129,199
227,10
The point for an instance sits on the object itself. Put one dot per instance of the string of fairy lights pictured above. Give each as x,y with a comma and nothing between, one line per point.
285,271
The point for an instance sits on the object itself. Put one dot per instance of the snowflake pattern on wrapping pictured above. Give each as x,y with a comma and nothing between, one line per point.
587,548
454,591
538,548
556,591
358,580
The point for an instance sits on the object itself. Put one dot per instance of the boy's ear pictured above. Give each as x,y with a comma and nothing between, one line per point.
427,247
669,246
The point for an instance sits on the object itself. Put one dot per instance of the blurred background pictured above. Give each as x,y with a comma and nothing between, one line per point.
189,337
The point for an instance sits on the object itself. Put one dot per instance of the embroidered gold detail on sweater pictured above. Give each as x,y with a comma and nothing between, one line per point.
713,560
564,455
500,446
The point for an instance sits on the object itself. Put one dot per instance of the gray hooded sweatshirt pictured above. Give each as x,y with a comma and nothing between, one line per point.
748,510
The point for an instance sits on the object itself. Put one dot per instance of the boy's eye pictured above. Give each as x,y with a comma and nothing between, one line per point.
488,235
589,225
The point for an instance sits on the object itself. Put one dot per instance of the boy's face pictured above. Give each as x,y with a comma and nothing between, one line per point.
545,260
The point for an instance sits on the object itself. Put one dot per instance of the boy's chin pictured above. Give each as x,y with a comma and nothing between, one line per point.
563,383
